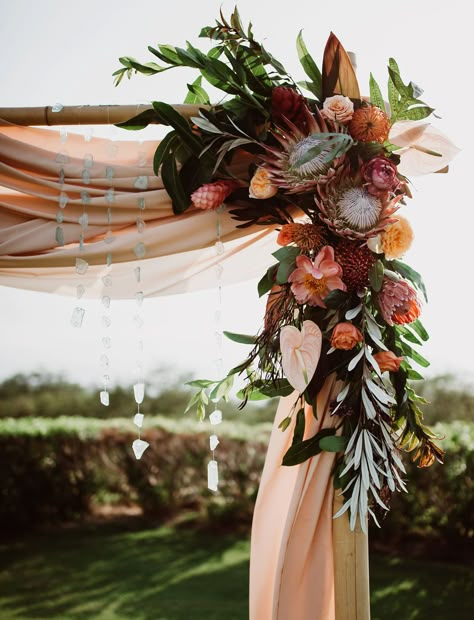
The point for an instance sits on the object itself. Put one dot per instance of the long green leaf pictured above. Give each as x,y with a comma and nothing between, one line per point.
408,272
300,452
196,93
310,67
376,275
140,121
173,185
163,150
376,94
333,443
169,116
240,338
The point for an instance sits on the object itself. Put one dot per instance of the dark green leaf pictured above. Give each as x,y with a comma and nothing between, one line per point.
309,66
240,338
376,94
287,253
196,93
173,185
285,268
413,375
280,387
414,355
336,298
266,283
140,121
166,53
298,433
300,452
163,150
168,116
376,275
333,443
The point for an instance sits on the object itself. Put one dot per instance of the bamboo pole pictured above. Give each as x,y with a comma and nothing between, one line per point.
351,568
83,114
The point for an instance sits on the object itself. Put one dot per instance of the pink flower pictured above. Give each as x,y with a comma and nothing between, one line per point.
311,281
300,351
398,302
381,176
212,195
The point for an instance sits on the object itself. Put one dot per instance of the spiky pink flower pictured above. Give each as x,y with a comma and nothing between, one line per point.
398,302
311,281
212,195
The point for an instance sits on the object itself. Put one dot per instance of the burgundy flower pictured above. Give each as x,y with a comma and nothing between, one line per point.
288,103
380,174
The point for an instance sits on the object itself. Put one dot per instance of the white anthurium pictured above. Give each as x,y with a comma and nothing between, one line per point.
300,351
424,149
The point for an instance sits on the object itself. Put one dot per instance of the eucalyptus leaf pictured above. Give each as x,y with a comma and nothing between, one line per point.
240,338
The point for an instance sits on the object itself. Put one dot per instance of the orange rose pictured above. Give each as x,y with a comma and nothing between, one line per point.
387,360
345,336
261,186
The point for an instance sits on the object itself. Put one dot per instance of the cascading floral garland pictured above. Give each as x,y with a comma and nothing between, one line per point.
323,168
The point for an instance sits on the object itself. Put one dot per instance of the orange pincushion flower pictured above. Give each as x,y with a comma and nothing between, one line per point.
308,237
369,124
397,238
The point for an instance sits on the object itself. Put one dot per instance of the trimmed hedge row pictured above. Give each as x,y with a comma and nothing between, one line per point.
55,470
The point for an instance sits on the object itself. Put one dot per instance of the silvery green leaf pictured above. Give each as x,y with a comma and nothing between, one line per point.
367,444
380,394
205,125
355,360
399,462
351,441
351,314
368,405
375,338
400,481
363,510
376,327
377,498
374,363
341,396
373,473
343,509
331,350
348,486
390,480
358,451
374,517
365,472
349,465
354,504
376,445
388,439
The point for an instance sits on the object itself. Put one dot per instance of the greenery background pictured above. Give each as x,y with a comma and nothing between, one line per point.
89,532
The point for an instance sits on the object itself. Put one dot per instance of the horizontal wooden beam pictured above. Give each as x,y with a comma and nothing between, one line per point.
82,114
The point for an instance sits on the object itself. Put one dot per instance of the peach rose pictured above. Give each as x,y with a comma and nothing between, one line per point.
397,238
338,108
261,186
387,360
345,336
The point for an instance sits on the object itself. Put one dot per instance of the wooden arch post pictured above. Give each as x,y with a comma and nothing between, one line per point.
351,557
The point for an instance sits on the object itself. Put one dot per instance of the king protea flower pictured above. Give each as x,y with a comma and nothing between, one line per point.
282,163
300,352
312,281
349,209
212,195
398,302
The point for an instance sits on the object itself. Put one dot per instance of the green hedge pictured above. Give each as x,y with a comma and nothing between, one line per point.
54,470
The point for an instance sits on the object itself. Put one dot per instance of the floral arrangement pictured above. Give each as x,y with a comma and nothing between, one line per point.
324,169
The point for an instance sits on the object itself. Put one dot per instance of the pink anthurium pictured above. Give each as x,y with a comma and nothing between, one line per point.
300,351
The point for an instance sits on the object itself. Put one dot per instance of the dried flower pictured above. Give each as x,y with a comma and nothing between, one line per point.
212,195
398,302
381,176
300,351
308,237
261,186
396,238
345,336
369,124
311,281
338,108
387,360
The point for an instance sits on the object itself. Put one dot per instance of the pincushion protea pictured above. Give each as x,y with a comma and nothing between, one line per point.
349,209
308,237
369,124
212,195
398,302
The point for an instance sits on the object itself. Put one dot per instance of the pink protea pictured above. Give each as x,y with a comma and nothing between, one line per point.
398,302
311,281
212,195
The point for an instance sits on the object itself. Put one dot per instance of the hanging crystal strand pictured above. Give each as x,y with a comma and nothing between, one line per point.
139,445
216,416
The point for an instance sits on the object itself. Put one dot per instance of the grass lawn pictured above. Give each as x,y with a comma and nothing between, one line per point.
113,572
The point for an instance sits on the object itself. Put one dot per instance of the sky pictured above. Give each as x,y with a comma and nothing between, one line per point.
65,52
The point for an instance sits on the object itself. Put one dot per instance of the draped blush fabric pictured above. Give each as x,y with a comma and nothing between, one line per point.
113,182
291,566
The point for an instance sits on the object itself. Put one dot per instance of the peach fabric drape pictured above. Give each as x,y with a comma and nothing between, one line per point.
291,568
116,175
